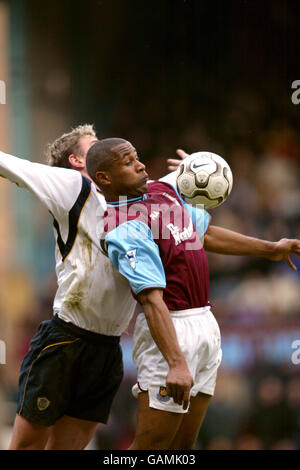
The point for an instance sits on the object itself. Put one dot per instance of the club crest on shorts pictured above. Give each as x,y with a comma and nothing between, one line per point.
42,403
162,395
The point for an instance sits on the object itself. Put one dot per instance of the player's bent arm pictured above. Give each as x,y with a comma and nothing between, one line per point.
228,242
179,380
58,188
133,251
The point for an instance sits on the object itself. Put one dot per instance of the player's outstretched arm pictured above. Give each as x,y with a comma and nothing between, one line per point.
57,188
228,242
179,379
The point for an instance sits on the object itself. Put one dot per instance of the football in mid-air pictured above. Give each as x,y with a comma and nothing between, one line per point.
204,178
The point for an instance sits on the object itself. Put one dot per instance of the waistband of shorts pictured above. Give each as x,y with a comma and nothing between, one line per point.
86,334
190,311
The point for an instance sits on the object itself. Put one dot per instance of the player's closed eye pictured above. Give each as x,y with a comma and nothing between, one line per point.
132,161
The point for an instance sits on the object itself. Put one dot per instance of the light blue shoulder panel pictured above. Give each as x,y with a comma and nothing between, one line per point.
133,251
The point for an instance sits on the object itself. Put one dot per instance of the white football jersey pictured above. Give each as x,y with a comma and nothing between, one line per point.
91,293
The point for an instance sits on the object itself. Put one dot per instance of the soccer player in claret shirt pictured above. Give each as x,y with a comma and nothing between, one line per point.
155,241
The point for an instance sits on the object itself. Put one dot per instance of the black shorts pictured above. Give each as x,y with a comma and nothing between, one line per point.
69,371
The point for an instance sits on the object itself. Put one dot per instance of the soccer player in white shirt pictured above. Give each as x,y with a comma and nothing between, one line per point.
87,311
73,368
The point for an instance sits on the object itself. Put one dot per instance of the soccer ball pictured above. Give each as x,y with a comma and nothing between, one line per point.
204,178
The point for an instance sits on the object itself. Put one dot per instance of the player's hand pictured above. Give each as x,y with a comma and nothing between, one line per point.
284,248
179,383
173,163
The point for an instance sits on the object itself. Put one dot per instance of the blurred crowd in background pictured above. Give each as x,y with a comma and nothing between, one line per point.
178,97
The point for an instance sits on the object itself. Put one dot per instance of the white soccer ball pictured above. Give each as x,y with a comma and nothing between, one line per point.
204,178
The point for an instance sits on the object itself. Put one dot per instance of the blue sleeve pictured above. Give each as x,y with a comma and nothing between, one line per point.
200,217
133,251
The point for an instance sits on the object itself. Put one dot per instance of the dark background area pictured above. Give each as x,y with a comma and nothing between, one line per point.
149,71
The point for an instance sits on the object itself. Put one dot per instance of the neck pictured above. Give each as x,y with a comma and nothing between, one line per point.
113,197
86,175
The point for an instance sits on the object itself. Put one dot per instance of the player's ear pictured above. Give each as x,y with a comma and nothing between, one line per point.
76,161
103,178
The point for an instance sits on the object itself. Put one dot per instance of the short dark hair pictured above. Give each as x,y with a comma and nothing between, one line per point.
100,156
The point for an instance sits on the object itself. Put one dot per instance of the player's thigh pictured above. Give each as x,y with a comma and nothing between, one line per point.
27,435
70,433
190,426
155,429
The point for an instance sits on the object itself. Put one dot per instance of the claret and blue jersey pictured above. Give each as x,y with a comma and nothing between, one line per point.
155,241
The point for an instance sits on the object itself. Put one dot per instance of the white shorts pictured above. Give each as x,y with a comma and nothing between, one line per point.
199,338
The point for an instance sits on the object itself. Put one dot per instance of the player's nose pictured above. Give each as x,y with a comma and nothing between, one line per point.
140,166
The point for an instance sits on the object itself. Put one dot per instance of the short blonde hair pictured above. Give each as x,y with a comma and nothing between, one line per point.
57,153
